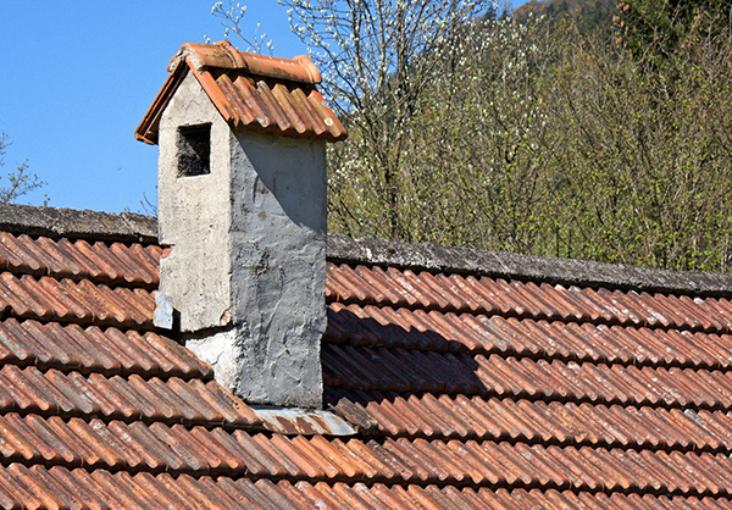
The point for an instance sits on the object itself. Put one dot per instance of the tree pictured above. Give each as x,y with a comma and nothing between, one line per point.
537,137
591,16
648,171
654,29
377,58
20,181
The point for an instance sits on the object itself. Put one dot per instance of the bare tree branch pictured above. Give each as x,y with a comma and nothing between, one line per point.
20,181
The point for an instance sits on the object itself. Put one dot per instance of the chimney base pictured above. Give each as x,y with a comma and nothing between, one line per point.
251,368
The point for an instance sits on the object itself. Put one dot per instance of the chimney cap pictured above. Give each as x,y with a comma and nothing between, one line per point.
223,55
270,94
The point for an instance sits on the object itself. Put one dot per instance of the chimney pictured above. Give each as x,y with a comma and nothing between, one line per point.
242,192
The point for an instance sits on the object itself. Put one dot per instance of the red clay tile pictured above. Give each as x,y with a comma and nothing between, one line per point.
268,94
529,394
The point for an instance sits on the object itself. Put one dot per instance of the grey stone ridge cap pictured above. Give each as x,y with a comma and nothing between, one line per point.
444,259
130,227
74,224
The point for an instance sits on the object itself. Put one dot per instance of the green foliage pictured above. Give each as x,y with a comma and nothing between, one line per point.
590,16
655,29
535,138
540,135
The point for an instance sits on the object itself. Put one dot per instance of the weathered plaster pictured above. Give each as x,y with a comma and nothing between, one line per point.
278,238
222,351
195,216
248,253
583,273
75,224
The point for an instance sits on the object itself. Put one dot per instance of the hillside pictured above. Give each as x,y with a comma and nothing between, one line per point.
590,14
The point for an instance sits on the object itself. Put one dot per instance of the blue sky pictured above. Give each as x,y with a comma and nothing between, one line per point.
77,78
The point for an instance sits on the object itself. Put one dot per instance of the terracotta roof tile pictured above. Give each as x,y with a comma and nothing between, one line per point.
92,349
466,391
124,398
114,263
268,94
374,326
461,416
553,302
61,487
408,371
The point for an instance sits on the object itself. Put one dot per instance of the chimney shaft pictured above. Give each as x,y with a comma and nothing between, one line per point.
245,214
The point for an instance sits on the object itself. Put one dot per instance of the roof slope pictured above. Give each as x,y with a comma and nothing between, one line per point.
270,94
468,390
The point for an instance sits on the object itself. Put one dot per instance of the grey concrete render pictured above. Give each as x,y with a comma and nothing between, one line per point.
278,236
126,227
248,253
221,350
194,215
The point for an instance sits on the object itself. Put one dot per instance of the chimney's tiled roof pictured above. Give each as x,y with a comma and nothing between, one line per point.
467,390
270,94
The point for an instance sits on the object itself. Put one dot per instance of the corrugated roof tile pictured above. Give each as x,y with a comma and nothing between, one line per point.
93,349
32,390
64,300
527,393
498,296
60,487
408,371
101,262
268,94
570,423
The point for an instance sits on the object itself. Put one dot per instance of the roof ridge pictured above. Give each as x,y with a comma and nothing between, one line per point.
264,93
224,55
136,228
553,270
53,222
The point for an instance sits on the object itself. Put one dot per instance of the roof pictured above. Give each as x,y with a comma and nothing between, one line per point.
269,94
467,387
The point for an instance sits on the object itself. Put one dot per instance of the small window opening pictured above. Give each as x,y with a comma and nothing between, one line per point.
194,150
